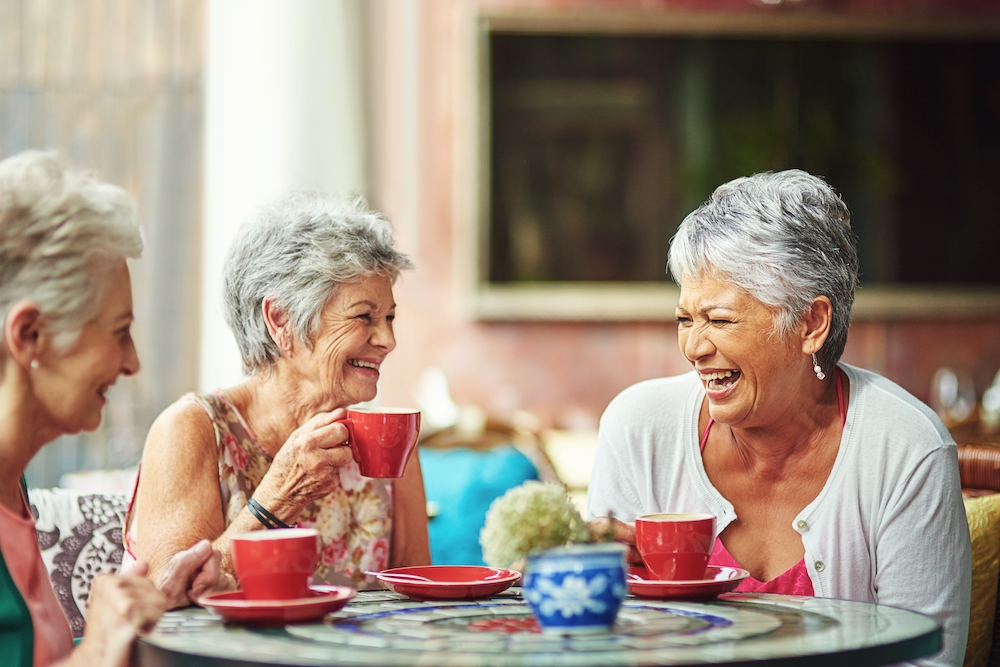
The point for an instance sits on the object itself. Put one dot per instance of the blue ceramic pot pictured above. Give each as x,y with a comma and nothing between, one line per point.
576,589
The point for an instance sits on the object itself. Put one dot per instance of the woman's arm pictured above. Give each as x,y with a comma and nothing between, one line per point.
410,544
923,555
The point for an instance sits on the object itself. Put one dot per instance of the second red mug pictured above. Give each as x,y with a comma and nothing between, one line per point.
675,547
382,439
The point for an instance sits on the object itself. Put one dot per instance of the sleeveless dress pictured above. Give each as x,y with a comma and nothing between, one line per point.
795,580
354,521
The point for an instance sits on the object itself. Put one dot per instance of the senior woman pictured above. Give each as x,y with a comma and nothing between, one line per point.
308,295
826,479
66,298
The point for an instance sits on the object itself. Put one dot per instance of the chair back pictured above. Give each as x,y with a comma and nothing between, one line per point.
80,535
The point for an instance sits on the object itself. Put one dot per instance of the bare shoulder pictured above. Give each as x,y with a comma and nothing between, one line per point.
182,431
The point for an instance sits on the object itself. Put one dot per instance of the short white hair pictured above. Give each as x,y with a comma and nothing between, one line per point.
298,250
785,238
61,231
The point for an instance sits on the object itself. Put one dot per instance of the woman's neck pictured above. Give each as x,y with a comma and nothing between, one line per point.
273,405
795,430
22,433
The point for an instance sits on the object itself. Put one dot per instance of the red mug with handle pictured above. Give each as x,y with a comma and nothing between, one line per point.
382,439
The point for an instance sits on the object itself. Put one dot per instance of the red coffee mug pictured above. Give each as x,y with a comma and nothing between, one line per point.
382,439
276,564
675,547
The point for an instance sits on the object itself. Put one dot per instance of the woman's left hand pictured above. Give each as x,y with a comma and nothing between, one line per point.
192,573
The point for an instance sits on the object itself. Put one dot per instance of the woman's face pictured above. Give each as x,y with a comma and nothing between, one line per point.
750,374
72,385
354,337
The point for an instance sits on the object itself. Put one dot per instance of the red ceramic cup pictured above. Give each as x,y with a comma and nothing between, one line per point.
382,439
276,564
675,547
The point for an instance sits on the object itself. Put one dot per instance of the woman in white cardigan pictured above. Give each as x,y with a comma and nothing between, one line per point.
826,479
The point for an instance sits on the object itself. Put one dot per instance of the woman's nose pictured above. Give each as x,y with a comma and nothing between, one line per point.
695,344
383,336
130,360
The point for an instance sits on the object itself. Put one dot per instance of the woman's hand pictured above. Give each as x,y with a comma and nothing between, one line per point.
622,532
121,609
307,466
192,573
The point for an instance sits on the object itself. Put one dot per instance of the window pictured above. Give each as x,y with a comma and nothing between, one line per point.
594,146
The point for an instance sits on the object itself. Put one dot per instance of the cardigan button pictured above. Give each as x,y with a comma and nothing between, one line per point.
819,566
801,525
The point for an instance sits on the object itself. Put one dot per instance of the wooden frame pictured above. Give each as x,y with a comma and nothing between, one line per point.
654,301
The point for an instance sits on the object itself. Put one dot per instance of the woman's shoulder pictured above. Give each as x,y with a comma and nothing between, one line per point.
888,408
661,397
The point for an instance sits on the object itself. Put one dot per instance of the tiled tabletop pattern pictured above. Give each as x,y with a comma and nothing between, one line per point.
381,628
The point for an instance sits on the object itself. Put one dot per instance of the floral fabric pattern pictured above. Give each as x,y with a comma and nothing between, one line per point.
354,522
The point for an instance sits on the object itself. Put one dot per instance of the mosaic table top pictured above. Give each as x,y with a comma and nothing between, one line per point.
382,628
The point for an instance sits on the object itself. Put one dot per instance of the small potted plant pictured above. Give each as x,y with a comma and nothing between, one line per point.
573,580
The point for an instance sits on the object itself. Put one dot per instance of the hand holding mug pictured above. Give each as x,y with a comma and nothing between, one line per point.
307,467
603,526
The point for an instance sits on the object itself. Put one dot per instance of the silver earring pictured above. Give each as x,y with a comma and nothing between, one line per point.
34,363
817,369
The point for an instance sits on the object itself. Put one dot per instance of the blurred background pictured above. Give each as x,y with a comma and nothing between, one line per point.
536,157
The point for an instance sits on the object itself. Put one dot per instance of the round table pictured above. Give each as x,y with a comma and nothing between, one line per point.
382,628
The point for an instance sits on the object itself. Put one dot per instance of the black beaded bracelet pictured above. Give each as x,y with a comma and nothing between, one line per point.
265,517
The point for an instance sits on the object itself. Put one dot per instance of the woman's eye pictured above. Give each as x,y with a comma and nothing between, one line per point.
366,317
390,318
720,321
683,320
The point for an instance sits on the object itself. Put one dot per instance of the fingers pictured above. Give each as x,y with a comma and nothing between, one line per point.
208,578
182,569
604,527
129,600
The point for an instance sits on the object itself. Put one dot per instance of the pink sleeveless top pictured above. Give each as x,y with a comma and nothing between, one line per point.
19,546
795,580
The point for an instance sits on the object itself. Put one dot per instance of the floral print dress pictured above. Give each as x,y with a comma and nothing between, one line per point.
354,522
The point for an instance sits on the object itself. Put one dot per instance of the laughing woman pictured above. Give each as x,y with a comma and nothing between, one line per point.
308,296
826,479
66,299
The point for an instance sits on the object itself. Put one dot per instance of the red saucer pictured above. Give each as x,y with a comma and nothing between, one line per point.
448,582
718,580
233,606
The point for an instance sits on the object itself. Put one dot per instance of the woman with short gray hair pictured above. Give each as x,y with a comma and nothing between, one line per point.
308,296
66,306
825,479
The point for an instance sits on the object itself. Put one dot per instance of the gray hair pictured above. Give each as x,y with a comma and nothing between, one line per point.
784,238
60,231
298,250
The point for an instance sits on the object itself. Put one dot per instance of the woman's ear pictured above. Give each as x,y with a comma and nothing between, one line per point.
816,324
23,332
276,320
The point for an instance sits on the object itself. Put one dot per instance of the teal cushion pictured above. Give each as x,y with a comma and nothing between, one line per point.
462,483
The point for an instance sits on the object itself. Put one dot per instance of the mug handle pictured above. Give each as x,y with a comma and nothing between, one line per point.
350,438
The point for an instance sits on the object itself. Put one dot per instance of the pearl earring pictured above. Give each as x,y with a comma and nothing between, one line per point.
817,369
34,363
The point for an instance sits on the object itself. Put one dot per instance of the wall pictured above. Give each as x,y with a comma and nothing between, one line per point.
567,373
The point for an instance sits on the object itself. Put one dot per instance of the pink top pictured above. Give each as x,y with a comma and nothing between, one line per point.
795,580
53,638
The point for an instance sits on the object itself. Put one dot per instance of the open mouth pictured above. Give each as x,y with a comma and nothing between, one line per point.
719,380
361,363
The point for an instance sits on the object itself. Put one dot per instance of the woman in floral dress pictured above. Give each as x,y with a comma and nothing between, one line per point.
308,296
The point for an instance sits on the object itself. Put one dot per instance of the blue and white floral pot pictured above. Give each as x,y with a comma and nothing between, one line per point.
576,589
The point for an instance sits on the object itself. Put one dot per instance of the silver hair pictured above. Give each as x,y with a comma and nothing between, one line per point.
784,238
60,231
298,250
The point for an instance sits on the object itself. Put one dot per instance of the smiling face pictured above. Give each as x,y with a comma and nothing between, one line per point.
71,385
353,339
750,374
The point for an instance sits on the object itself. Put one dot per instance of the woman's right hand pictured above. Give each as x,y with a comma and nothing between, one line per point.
307,466
121,608
620,531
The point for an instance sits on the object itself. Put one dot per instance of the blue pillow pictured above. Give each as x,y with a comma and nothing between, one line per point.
462,483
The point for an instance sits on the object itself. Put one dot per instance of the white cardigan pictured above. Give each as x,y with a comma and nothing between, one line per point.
889,525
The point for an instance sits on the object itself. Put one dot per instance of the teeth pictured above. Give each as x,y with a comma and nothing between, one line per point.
363,364
707,377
